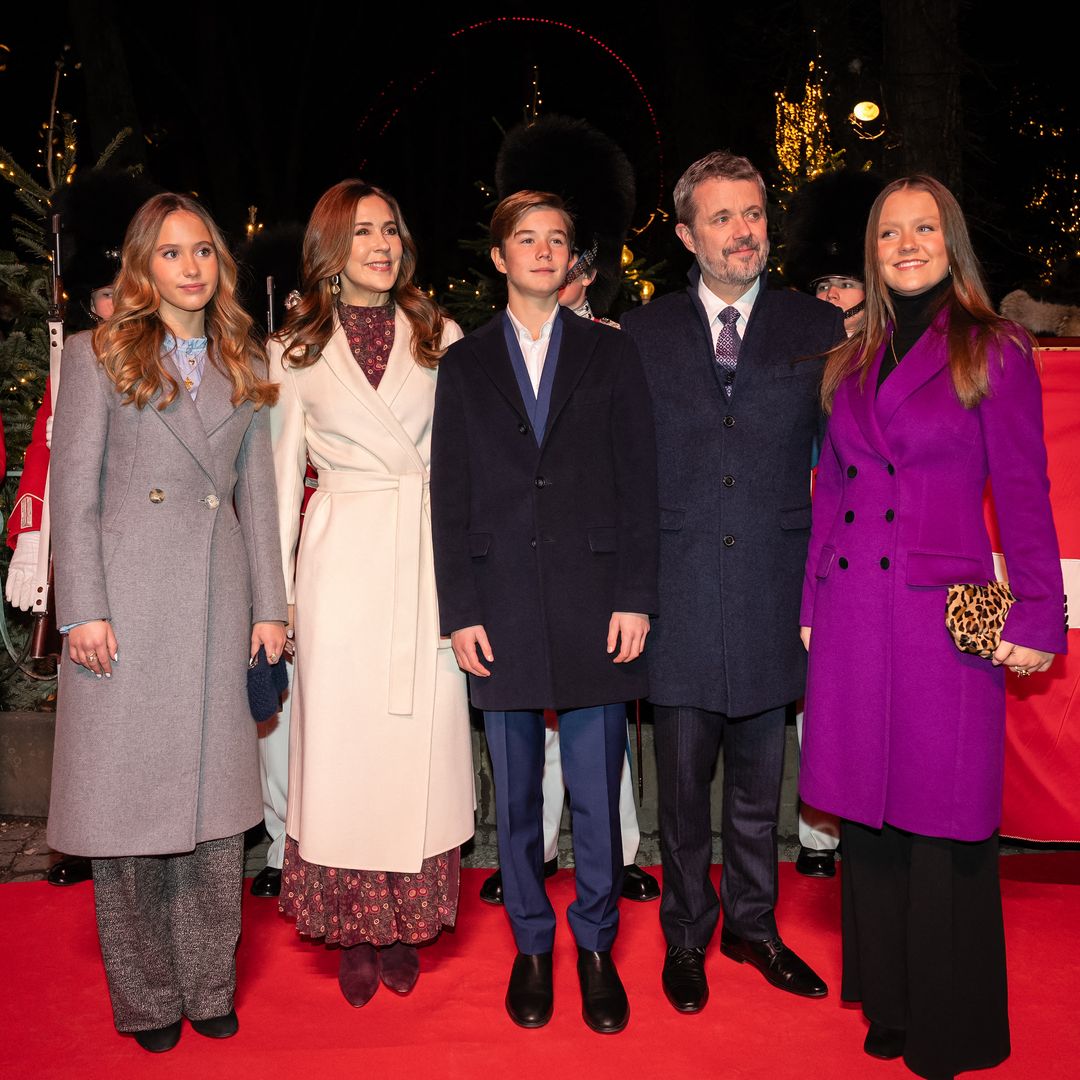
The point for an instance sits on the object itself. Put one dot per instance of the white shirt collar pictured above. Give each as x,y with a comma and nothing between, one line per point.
714,305
523,332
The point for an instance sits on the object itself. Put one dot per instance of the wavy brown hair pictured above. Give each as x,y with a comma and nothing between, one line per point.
311,322
129,345
974,326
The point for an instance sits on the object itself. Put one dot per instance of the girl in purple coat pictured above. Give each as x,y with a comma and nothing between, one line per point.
904,734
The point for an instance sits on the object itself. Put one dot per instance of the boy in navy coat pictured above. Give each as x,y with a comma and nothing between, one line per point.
545,521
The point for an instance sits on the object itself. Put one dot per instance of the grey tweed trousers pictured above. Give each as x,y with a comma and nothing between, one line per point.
168,927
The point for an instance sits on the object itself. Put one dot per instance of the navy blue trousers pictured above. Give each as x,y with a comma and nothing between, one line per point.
593,744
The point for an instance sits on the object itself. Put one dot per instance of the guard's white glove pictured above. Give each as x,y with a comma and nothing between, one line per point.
48,433
20,580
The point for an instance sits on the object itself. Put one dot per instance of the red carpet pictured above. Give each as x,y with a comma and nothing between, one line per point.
55,1019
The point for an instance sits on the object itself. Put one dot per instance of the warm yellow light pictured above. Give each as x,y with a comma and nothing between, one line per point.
866,111
626,258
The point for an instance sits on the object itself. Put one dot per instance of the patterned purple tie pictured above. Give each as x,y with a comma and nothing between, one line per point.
727,347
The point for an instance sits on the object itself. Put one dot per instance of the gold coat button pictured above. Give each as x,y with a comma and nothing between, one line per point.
157,495
212,501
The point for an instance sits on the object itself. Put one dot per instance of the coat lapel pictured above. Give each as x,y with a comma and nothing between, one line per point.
182,418
495,363
862,402
921,363
339,359
213,402
575,353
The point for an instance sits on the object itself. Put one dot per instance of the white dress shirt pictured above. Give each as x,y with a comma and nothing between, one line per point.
534,351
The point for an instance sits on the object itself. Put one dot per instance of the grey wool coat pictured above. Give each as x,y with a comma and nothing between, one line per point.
165,522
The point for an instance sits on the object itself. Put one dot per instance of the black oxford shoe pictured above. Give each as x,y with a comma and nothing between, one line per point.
70,870
816,863
267,882
158,1040
218,1027
530,996
639,885
684,979
491,892
779,964
884,1042
604,1005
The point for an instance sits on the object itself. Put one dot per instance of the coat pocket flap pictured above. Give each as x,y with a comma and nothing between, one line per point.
797,518
602,539
825,561
671,520
927,568
479,543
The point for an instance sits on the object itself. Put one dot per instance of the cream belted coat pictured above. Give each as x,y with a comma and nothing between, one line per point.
380,759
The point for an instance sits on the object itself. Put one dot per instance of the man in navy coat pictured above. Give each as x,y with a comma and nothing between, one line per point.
544,516
734,372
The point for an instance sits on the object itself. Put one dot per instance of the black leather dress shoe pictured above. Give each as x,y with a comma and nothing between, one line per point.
491,891
70,870
218,1027
158,1040
639,885
267,882
779,964
884,1042
816,863
684,979
530,996
604,1005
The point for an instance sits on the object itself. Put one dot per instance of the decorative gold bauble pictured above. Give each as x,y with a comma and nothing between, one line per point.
626,258
645,290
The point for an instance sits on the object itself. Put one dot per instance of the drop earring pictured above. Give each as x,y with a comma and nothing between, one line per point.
335,284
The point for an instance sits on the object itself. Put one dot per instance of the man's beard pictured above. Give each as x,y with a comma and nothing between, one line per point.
740,273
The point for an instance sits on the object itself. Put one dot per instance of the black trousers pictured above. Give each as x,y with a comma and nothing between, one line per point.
924,945
168,927
687,744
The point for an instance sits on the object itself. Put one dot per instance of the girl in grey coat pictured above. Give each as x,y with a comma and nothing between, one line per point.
168,577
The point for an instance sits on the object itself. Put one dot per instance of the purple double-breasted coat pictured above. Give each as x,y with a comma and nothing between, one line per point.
901,726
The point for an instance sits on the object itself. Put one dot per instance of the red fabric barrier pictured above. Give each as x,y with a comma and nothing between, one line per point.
1042,731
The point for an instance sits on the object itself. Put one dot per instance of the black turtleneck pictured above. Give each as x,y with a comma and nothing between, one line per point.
914,314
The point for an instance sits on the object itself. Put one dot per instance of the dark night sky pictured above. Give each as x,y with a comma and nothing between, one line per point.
244,109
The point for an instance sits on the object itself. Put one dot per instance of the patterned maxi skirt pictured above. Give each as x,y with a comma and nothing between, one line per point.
347,907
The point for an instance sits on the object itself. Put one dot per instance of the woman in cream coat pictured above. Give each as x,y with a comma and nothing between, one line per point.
380,771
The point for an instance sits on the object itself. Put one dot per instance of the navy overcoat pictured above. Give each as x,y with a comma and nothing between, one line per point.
540,543
734,481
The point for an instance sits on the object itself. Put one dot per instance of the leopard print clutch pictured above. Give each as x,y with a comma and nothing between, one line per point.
975,616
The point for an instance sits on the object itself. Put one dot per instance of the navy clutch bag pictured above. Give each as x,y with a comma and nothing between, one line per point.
266,683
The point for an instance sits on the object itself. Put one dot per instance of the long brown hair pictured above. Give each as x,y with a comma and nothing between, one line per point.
974,326
310,324
129,344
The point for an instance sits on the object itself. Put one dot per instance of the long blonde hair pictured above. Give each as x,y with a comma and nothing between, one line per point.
309,325
974,326
129,345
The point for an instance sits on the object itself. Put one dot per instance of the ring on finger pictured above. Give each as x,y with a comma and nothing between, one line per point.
92,657
1021,672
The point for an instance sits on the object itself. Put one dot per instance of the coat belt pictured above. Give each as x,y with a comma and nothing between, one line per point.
412,489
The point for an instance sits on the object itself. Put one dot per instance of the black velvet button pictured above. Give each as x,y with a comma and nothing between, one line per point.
889,515
532,542
852,471
539,481
842,562
884,563
523,428
729,421
729,540
849,517
729,481
892,471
